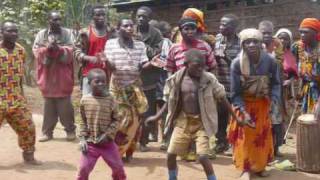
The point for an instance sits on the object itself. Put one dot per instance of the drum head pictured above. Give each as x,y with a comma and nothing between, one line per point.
307,119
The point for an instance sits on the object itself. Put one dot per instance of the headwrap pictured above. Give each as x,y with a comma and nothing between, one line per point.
312,23
285,30
246,34
197,15
187,22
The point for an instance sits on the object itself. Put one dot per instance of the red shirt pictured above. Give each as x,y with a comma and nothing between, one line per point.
96,45
175,60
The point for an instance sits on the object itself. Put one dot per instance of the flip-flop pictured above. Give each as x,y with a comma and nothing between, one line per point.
285,165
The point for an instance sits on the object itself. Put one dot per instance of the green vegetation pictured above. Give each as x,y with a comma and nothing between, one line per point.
31,16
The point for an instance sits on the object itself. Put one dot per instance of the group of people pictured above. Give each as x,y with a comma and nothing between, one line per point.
232,86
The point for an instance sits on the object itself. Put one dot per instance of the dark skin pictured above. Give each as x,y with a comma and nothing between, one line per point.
253,48
267,32
98,85
228,28
309,38
126,30
143,18
190,105
9,38
99,26
54,21
188,33
285,40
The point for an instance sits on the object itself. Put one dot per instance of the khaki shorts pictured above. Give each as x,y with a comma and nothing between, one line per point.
187,130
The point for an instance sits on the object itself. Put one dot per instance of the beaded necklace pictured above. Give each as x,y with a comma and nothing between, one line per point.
308,60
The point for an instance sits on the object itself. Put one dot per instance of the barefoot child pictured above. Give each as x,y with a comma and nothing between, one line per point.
191,95
98,127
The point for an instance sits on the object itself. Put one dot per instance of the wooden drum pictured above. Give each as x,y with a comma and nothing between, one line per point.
308,144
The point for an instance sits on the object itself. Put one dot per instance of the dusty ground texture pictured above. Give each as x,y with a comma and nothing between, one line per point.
60,159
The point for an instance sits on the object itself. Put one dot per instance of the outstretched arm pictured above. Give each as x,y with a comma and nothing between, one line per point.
158,115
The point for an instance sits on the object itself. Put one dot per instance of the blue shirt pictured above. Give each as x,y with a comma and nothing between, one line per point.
266,66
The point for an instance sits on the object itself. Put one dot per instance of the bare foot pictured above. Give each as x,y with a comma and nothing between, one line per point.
263,173
245,176
33,162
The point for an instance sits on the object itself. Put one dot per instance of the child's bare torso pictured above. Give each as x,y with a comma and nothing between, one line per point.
189,92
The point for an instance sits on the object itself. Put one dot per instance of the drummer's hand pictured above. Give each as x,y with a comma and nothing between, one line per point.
287,82
317,111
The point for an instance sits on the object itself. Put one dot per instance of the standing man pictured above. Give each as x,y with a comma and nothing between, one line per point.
273,46
90,45
53,52
152,39
227,47
13,105
126,58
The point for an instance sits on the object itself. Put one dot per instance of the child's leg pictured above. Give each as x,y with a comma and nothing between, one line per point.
87,162
207,166
203,149
172,166
110,154
179,143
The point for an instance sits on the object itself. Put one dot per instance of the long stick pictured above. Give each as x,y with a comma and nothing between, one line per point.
292,118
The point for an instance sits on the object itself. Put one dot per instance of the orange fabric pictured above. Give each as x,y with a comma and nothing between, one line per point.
253,148
312,23
197,15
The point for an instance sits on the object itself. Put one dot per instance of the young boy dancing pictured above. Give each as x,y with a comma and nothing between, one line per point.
98,127
191,95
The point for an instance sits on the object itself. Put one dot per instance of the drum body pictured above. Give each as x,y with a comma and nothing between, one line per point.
308,144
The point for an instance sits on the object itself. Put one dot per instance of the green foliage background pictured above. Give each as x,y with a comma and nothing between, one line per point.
31,16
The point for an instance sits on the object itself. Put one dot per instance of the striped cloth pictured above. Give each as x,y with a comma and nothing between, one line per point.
101,115
176,57
225,53
127,61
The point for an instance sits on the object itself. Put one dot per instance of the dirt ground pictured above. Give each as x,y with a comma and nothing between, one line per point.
60,158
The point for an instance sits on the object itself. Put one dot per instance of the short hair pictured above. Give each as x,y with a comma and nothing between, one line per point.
234,19
94,73
96,6
266,23
164,26
4,22
120,21
53,11
194,55
145,8
154,23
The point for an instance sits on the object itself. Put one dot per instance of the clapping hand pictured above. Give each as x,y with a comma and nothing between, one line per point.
157,62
